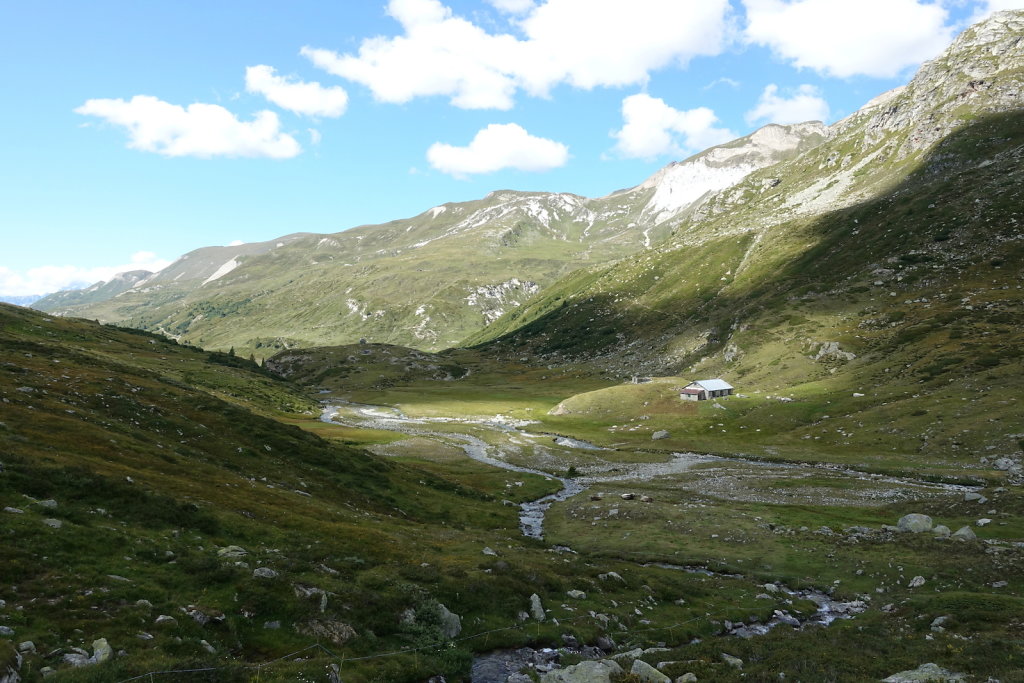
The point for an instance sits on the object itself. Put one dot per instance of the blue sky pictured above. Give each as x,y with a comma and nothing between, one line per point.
137,131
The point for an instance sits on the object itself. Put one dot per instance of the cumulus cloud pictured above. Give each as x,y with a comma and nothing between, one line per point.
496,147
804,104
512,6
301,97
48,279
652,128
199,130
582,43
845,38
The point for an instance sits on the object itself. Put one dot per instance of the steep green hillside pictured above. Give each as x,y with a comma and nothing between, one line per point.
878,263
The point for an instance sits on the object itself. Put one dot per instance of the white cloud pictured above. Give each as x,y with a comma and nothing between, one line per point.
314,136
496,147
652,128
724,80
845,38
804,104
301,97
48,279
512,6
200,130
582,43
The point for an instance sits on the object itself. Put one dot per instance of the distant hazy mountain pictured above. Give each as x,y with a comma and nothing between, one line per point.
26,300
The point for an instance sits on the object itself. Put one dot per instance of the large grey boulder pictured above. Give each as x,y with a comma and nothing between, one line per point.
964,533
451,623
536,608
914,523
659,435
231,552
925,672
264,573
647,673
600,671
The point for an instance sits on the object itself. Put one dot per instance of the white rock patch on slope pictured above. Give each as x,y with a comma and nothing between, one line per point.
222,271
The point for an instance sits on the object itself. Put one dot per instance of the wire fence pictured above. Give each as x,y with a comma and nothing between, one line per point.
342,659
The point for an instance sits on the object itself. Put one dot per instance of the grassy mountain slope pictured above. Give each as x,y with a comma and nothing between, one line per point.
878,263
428,281
129,463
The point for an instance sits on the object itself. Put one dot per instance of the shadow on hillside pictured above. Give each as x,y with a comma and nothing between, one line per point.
950,216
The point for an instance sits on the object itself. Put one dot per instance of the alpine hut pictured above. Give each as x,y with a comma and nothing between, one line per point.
703,389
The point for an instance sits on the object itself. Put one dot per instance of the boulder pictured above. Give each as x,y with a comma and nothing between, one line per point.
451,623
659,435
10,663
964,533
972,496
941,531
489,551
925,672
264,573
600,671
576,595
647,673
53,523
916,582
335,631
101,651
536,608
734,662
165,620
605,643
6,631
231,552
914,523
687,678
628,496
983,521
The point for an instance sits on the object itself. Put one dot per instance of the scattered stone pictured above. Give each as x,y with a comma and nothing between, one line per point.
647,673
734,662
937,623
231,552
489,551
916,582
941,531
6,631
577,595
142,635
1000,584
857,394
144,603
116,577
914,523
536,608
925,672
101,651
264,573
76,660
518,678
27,646
53,523
49,504
611,575
687,678
14,511
10,664
646,499
831,350
771,588
209,648
964,533
627,496
570,641
165,620
271,625
974,496
1003,464
659,435
983,521
600,671
605,643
